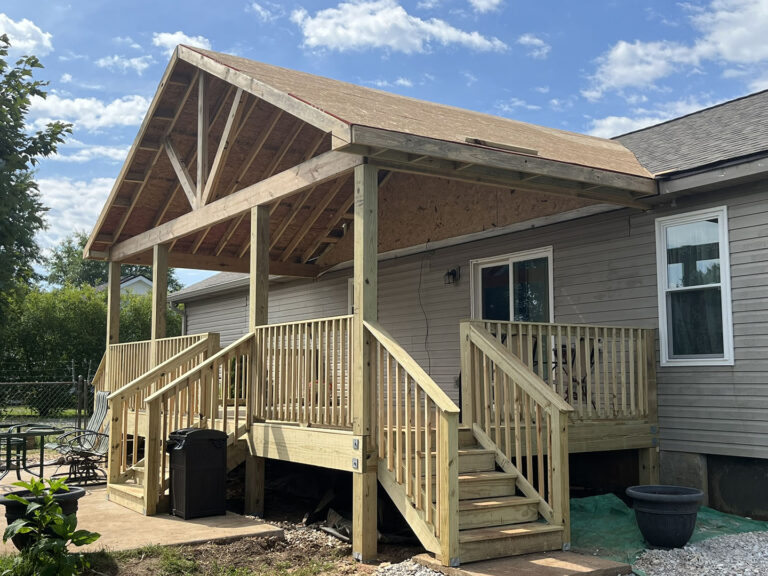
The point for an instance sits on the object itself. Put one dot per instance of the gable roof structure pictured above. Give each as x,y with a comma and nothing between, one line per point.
224,134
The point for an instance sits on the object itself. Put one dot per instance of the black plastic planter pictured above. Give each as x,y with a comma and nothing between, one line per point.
15,510
666,515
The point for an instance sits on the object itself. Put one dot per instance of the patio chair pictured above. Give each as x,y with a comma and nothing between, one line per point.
62,443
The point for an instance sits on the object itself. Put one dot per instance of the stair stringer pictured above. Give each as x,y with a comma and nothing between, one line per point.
416,519
545,510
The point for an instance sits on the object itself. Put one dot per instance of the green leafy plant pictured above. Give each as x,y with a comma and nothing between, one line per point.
51,533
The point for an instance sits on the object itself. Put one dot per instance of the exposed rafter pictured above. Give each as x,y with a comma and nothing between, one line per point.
187,184
202,136
225,146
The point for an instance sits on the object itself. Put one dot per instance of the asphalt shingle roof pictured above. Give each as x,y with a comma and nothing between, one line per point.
729,130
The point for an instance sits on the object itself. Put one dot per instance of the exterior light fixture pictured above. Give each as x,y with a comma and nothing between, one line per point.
452,276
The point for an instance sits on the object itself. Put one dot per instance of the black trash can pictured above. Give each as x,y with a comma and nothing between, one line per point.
198,467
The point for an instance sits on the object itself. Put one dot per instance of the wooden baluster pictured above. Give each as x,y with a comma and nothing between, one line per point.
631,369
478,401
336,364
428,461
390,422
517,396
622,349
596,365
569,367
540,451
398,426
487,398
498,405
326,374
507,416
558,354
614,376
588,363
528,438
540,347
418,450
577,371
549,458
642,380
408,437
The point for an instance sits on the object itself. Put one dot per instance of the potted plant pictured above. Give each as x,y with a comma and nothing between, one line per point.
42,524
666,515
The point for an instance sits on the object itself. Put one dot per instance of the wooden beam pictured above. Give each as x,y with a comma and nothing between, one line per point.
365,299
288,103
190,158
202,136
317,211
159,296
225,146
187,184
510,179
319,169
466,153
137,194
113,303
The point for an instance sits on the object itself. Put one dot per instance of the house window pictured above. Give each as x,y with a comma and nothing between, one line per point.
513,287
694,288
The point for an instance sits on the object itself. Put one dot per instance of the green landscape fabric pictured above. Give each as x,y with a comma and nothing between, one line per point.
605,526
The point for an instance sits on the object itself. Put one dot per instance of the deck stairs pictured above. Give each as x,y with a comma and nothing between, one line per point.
495,518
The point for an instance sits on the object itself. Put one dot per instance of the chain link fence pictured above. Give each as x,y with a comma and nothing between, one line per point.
51,403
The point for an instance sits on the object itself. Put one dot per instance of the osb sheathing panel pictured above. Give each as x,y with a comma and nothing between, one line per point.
368,107
414,210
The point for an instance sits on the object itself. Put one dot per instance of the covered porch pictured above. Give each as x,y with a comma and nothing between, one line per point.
288,189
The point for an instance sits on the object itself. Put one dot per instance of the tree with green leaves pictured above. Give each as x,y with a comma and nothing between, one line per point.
66,266
21,208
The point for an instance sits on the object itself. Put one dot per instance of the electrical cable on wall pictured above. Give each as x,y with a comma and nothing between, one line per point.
424,312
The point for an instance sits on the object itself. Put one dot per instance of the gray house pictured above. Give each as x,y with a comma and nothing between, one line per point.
693,265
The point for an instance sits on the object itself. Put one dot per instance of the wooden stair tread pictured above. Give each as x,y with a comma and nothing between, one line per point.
509,531
491,475
491,503
135,490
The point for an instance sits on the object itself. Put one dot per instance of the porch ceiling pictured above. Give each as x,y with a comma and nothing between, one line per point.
277,137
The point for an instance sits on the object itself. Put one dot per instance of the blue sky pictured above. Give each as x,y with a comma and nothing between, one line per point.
602,68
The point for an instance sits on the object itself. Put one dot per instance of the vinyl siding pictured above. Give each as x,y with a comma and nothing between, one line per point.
604,270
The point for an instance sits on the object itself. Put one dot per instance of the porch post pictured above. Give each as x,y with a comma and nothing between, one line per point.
113,337
258,314
159,297
366,308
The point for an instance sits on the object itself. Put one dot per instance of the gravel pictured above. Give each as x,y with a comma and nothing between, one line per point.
742,554
407,568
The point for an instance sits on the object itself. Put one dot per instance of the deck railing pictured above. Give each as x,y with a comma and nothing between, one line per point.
210,395
514,412
128,417
304,372
417,439
99,380
127,362
604,372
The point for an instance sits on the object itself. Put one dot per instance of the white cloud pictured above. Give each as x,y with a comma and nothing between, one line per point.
112,154
26,37
730,32
542,89
513,104
485,5
611,126
89,114
470,78
428,4
74,205
123,64
169,40
65,78
266,11
537,48
126,41
383,24
401,81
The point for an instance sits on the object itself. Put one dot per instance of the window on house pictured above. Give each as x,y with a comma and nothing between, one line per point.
513,287
694,288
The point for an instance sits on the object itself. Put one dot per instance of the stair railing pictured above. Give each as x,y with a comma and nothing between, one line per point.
519,415
215,394
126,405
416,419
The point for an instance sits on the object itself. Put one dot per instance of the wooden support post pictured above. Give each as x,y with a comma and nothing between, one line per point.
466,375
202,137
648,458
113,337
449,484
258,314
152,458
159,297
561,489
366,309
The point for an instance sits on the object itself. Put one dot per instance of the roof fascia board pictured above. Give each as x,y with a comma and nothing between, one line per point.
313,172
469,153
715,177
131,153
290,104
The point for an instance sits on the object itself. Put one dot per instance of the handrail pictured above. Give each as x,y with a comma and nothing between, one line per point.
511,364
517,414
438,396
416,419
98,379
161,369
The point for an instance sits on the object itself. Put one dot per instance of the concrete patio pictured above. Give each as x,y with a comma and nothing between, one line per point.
122,529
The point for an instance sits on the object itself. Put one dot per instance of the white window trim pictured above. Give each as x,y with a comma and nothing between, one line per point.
476,265
721,212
